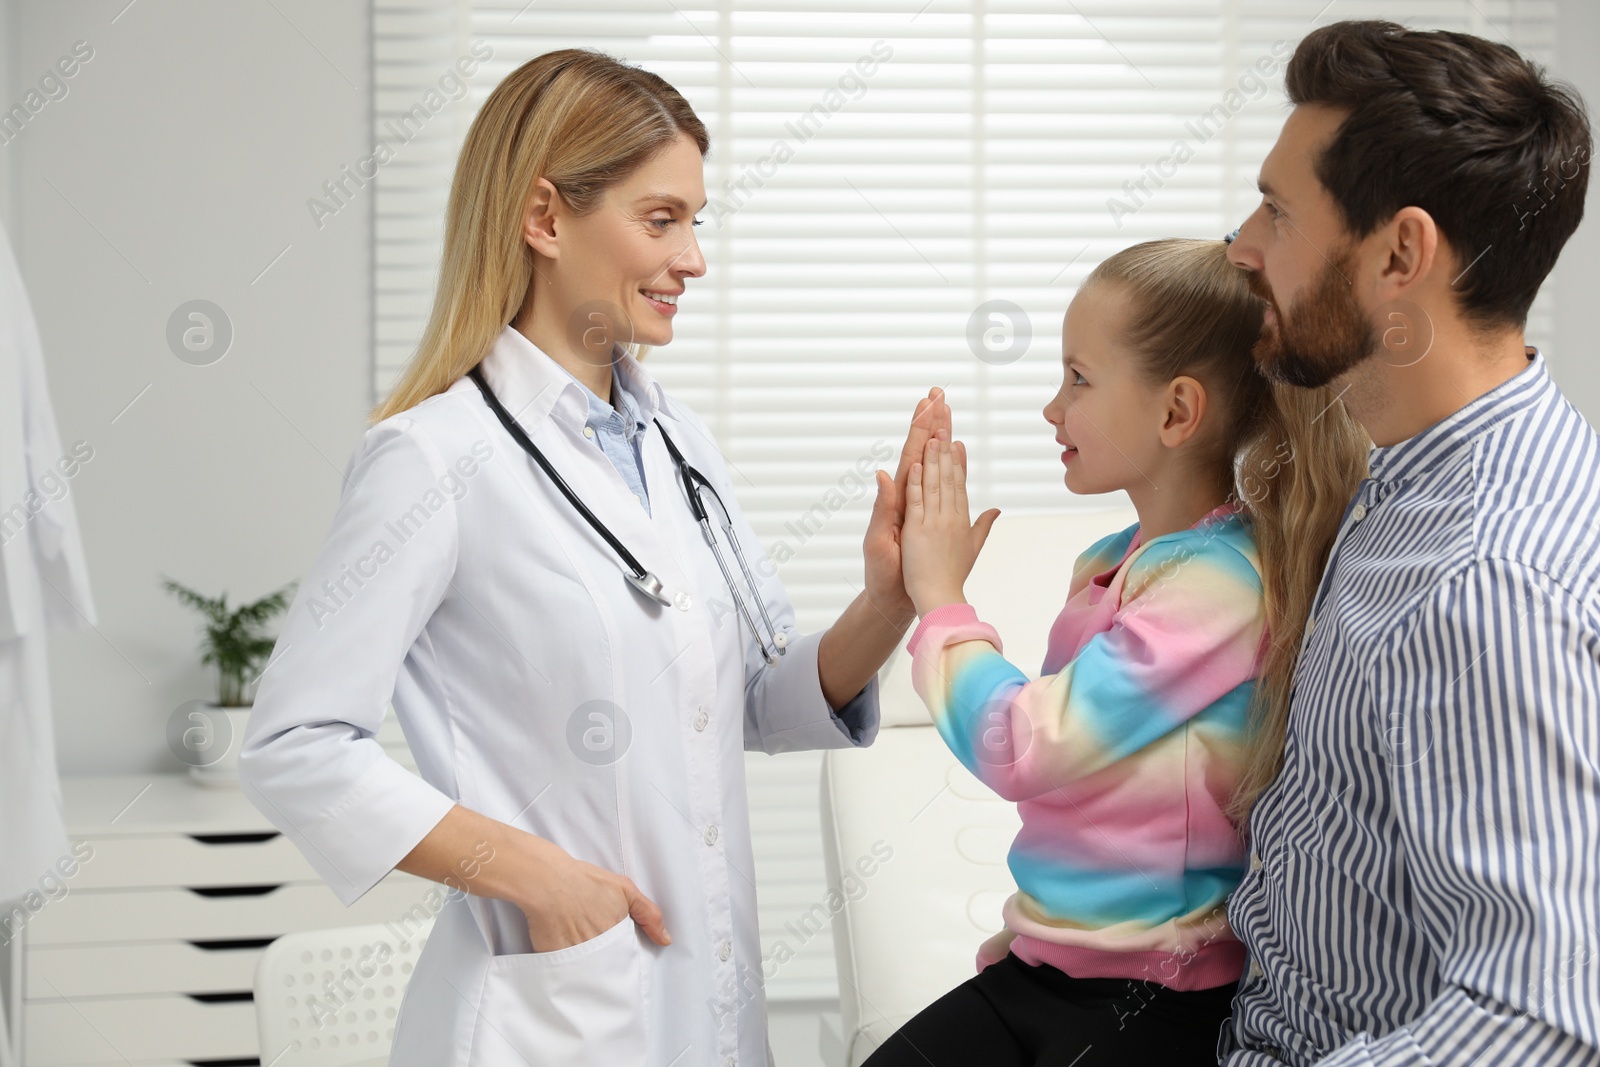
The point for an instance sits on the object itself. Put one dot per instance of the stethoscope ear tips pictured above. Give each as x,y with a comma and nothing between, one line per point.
1228,238
781,640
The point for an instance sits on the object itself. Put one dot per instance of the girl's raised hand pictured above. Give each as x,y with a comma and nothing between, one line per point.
938,542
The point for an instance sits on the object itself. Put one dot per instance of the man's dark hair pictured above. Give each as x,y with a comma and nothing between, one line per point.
1467,130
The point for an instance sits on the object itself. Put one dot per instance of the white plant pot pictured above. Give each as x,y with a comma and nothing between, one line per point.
220,736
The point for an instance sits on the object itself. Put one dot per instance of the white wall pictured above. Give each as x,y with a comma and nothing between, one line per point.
8,154
1572,361
177,167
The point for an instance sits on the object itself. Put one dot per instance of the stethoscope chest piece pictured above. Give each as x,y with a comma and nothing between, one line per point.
649,585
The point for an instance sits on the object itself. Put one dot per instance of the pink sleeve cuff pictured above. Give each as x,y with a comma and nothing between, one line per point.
947,615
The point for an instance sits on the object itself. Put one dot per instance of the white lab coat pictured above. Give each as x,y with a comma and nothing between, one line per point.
44,585
458,580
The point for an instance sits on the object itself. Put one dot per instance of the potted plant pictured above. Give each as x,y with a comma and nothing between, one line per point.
206,735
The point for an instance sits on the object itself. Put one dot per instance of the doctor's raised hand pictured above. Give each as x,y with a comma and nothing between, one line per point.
871,627
538,559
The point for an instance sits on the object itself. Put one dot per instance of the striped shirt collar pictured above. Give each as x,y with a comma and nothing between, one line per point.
1422,450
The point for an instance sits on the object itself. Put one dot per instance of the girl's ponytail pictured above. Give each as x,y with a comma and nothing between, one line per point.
1296,474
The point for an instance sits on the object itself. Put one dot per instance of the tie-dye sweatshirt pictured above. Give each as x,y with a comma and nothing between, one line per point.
1120,756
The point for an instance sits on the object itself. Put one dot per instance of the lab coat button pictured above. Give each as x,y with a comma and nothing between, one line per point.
701,718
683,601
588,431
724,950
711,834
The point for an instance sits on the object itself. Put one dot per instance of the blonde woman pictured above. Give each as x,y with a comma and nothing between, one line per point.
519,561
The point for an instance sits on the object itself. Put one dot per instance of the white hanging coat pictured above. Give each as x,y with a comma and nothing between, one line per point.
44,585
460,582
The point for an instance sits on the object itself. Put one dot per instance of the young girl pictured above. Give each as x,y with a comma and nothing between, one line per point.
1162,704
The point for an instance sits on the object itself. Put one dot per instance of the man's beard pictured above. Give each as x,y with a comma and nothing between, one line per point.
1326,334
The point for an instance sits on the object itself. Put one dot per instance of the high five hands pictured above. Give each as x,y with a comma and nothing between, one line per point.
920,543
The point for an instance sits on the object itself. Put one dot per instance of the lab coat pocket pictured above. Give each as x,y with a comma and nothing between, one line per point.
578,1005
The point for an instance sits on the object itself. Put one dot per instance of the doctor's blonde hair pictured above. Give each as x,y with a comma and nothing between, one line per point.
578,118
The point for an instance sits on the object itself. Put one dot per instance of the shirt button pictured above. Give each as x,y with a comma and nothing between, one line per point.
588,431
1311,624
1255,862
701,718
724,950
1255,969
683,601
1358,512
711,838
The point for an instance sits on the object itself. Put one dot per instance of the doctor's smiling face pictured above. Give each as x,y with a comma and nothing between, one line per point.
630,259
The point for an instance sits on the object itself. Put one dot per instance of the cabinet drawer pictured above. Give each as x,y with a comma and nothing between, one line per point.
90,915
56,971
165,860
120,1029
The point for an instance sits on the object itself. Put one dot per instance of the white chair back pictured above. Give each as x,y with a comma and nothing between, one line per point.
329,998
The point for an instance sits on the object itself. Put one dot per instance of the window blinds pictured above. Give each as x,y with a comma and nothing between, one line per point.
903,194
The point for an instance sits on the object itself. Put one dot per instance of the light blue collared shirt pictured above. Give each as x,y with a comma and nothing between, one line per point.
617,433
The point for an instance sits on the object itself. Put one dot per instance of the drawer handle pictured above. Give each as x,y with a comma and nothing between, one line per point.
221,998
248,942
234,839
234,890
250,1061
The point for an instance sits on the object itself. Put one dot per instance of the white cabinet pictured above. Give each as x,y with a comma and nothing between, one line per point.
146,953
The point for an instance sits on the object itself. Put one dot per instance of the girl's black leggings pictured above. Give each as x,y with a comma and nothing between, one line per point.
1014,1013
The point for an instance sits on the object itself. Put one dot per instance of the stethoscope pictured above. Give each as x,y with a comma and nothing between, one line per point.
641,579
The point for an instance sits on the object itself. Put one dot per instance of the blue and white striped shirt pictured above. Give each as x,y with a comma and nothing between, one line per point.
1424,884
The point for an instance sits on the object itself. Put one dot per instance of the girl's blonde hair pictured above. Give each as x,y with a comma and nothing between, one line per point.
578,118
1294,457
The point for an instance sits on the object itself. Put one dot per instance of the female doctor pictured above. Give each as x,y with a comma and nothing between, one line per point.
517,562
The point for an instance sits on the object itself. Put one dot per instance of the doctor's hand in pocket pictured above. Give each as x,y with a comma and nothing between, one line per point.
566,901
938,543
882,547
569,901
